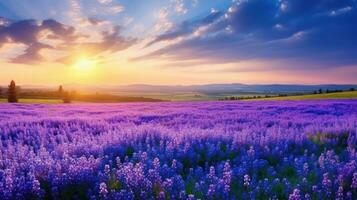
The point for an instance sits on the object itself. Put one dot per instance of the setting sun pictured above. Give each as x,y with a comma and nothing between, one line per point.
85,65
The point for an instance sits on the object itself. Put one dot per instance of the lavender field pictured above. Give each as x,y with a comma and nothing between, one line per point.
206,150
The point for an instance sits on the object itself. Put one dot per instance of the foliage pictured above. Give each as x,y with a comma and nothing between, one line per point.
12,93
338,95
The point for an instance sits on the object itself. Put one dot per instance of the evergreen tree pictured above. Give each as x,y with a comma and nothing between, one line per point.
60,89
12,93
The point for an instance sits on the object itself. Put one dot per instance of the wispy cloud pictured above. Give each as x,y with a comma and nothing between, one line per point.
105,1
180,7
186,28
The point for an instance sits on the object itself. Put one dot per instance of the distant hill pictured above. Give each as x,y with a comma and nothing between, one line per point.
196,92
224,88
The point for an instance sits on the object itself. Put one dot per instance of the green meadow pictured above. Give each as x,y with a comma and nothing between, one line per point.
337,95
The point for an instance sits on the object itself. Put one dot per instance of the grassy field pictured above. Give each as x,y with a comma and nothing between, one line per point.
41,101
200,97
338,95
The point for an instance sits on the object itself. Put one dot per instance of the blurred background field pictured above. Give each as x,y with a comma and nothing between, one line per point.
155,93
335,95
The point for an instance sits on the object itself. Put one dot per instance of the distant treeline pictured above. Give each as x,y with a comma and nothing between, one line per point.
13,93
320,91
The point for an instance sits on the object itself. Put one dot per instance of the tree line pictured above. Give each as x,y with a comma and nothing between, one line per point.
12,93
319,91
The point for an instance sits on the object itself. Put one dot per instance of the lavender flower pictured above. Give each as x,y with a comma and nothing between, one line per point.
246,180
339,195
103,190
295,195
354,181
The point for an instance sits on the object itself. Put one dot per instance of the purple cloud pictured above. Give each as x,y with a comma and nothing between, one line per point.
27,32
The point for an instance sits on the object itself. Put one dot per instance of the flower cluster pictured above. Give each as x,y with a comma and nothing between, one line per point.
211,150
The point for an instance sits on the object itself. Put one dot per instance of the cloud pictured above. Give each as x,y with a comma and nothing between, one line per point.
105,7
167,13
32,54
27,31
105,1
180,7
59,31
186,28
69,40
314,33
115,9
111,42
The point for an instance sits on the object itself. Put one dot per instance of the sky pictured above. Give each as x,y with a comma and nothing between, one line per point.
171,42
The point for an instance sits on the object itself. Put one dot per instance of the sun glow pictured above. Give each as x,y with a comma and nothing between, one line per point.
85,65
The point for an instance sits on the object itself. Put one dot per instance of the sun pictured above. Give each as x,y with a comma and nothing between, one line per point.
85,64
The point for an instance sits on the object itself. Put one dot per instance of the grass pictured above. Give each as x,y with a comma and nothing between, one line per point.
337,95
197,96
40,101
186,96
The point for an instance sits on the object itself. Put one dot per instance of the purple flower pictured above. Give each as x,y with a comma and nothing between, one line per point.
354,181
162,195
106,169
339,195
191,197
295,195
211,191
246,180
103,190
251,151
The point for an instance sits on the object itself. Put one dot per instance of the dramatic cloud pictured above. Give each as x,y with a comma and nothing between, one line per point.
36,34
319,32
186,28
112,42
27,32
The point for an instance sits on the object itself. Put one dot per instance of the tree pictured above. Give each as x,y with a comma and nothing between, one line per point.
60,90
12,93
66,97
0,91
351,89
320,91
